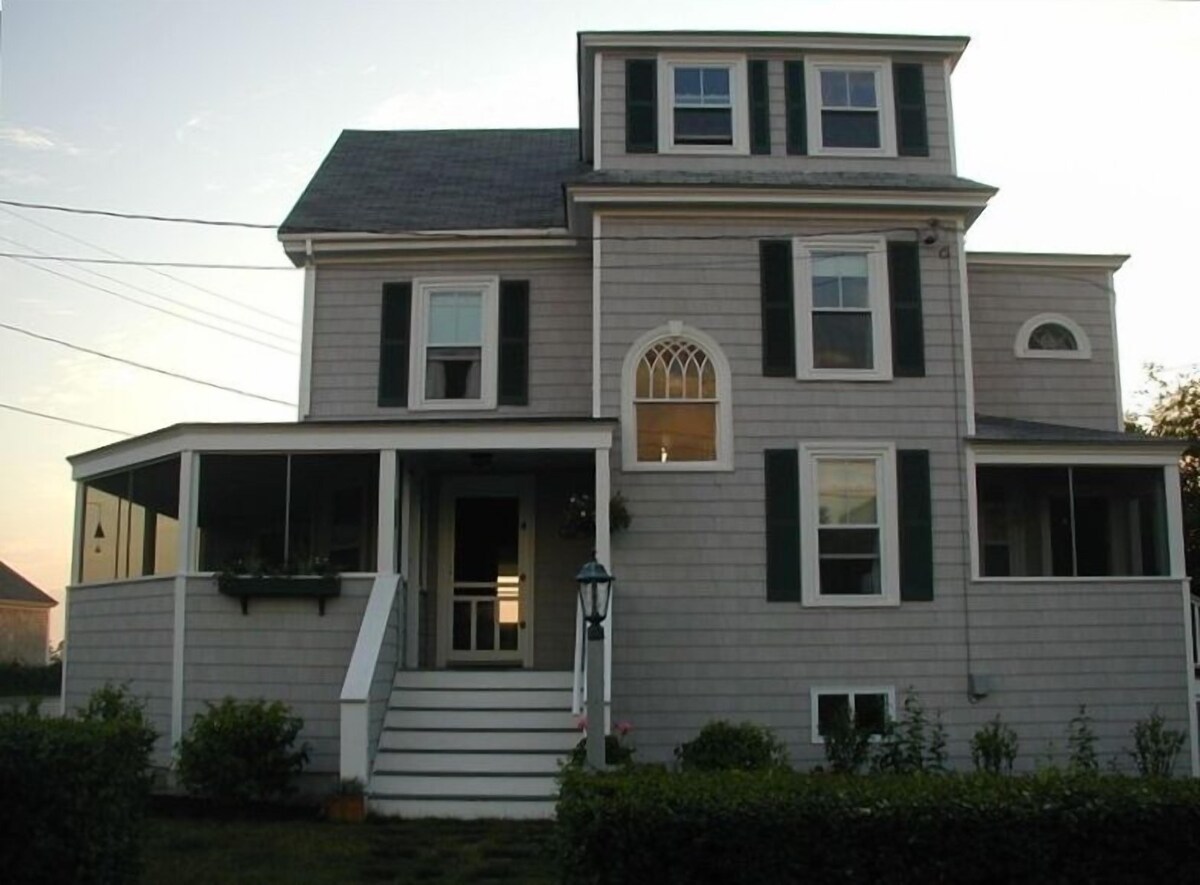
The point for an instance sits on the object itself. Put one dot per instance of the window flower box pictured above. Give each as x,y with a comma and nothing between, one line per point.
247,587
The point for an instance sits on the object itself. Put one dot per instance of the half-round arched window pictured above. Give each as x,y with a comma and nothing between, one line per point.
675,402
1052,336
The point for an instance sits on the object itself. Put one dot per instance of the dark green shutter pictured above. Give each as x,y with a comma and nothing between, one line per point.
778,308
916,526
513,365
794,100
641,106
760,108
908,326
912,129
782,471
395,323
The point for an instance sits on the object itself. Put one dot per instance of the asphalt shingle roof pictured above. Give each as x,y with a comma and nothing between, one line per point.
989,428
389,182
14,588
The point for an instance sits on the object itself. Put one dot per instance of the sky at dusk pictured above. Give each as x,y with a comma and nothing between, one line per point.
1082,113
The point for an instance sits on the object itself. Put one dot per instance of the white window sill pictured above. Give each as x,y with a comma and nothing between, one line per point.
1053,355
882,152
677,467
843,375
820,601
721,150
452,405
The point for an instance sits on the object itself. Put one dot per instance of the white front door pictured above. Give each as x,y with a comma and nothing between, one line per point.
485,570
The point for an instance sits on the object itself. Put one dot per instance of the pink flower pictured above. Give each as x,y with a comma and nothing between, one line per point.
581,723
623,728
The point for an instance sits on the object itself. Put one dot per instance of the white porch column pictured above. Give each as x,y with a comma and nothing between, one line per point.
385,547
75,578
1178,565
189,485
604,556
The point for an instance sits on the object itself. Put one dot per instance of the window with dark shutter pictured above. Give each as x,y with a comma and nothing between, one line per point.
512,386
781,468
778,308
794,100
395,326
912,130
916,525
641,106
904,287
760,108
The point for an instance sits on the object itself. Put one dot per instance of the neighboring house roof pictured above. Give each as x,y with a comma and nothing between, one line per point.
901,181
989,428
14,588
391,182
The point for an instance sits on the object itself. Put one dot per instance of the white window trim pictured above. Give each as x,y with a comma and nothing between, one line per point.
724,459
889,531
875,249
817,691
737,97
422,288
1083,344
882,68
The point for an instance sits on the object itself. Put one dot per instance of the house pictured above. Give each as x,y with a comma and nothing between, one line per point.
24,620
859,459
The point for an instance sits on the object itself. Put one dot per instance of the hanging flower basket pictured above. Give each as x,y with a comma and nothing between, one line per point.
579,517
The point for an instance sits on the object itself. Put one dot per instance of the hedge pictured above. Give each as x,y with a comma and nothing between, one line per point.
737,827
72,798
21,680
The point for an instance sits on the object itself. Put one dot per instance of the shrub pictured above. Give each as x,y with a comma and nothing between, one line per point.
847,747
1155,747
616,750
19,680
787,827
906,748
994,748
74,796
241,751
1081,745
725,746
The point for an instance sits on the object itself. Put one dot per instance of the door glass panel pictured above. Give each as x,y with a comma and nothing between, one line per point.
485,626
461,640
485,537
487,578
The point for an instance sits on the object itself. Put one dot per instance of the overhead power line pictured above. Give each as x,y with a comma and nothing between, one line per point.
133,216
137,365
155,307
162,273
194,264
37,414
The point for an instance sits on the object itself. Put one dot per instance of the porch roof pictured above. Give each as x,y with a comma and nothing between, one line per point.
426,434
997,433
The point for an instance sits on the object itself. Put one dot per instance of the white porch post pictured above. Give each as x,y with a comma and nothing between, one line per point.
1178,561
604,556
386,545
75,578
189,484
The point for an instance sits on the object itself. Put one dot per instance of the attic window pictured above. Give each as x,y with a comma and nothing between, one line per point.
850,107
702,105
1052,336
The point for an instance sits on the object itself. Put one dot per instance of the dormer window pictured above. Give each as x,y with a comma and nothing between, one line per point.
850,107
702,109
1052,336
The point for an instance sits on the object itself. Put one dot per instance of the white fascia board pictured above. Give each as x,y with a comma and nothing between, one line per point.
779,196
486,435
1110,263
800,42
325,244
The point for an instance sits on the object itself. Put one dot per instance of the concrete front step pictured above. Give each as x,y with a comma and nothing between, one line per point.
467,679
489,762
490,720
462,808
454,741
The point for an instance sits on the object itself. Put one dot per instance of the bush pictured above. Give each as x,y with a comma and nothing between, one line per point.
994,748
788,827
724,746
847,746
74,796
907,747
1081,745
19,680
241,751
1155,747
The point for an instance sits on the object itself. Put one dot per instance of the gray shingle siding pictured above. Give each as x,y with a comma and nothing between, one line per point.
1077,392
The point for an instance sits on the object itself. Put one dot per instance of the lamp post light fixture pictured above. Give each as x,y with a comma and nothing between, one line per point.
595,594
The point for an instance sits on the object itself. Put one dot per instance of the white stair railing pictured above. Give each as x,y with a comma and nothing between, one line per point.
355,760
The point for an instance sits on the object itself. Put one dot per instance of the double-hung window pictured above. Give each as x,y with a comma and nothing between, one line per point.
850,107
850,539
454,360
842,298
705,107
868,709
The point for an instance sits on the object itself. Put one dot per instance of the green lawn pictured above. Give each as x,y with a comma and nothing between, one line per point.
184,851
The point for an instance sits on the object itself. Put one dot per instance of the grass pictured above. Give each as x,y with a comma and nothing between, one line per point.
434,852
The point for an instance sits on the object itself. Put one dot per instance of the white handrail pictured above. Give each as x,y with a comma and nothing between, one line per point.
356,689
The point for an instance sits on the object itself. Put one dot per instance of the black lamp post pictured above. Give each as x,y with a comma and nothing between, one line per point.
595,594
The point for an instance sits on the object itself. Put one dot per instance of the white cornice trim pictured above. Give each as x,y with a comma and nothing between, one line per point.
871,43
1046,259
700,195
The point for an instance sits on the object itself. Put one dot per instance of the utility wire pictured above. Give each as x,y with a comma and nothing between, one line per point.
12,408
137,365
136,217
200,310
155,307
193,264
161,273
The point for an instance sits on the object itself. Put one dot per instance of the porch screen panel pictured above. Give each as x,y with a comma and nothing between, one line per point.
130,523
332,512
242,512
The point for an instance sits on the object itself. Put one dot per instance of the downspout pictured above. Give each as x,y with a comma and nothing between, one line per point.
304,401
